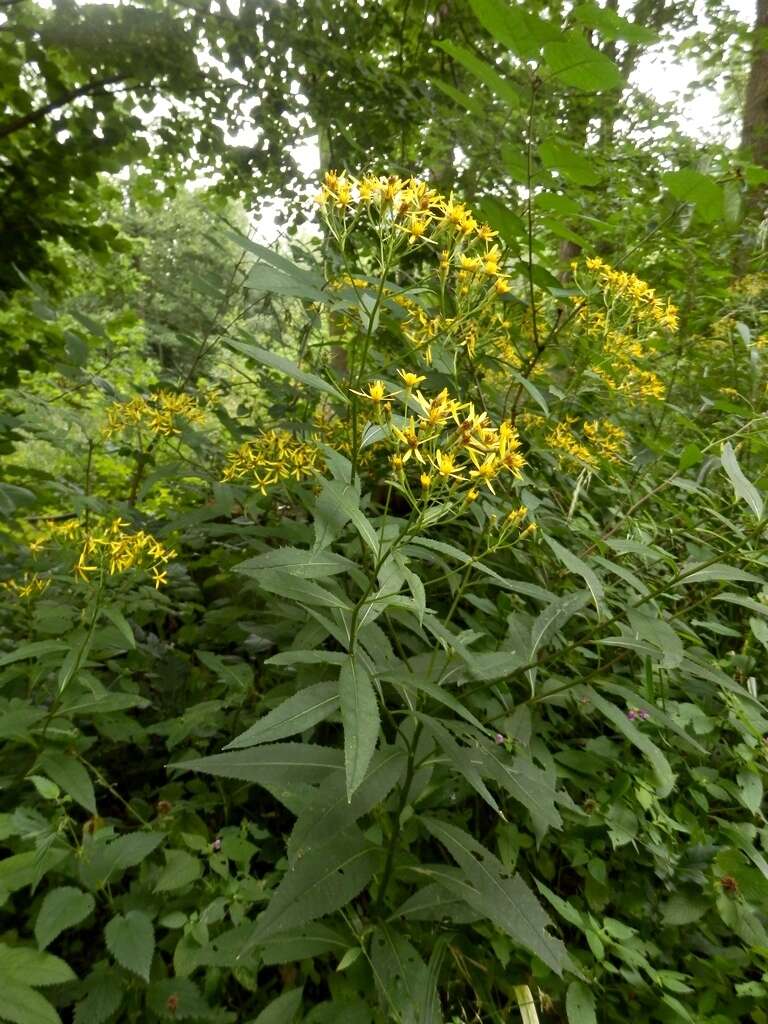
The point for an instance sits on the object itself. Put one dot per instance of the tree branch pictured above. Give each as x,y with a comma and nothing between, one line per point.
90,89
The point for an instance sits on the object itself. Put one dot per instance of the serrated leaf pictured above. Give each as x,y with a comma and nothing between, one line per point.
502,897
339,503
62,908
72,776
360,717
276,763
744,488
181,870
103,998
331,811
307,563
580,1004
20,1004
555,616
324,880
38,969
313,940
305,709
661,767
580,567
187,1002
613,26
130,939
302,591
34,650
461,759
403,979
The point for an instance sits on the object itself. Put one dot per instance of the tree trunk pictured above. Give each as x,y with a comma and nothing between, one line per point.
754,131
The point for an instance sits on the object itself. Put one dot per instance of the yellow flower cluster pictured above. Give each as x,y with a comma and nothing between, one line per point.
411,212
751,286
454,446
643,303
601,440
111,550
160,414
33,585
274,456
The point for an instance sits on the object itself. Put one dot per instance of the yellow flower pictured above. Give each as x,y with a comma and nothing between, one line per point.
425,480
486,471
159,577
411,380
445,464
376,392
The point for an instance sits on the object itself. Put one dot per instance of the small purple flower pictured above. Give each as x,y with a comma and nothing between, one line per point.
216,845
635,713
498,738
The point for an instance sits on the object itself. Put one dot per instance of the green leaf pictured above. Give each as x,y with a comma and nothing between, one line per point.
302,943
573,165
508,224
576,63
718,571
305,563
360,717
555,616
181,870
62,908
302,591
531,786
330,812
744,488
461,758
613,26
470,104
659,633
402,977
326,879
522,32
188,1003
122,625
22,1005
282,1010
280,763
72,776
38,969
659,763
342,500
689,186
580,567
502,897
283,365
33,650
130,939
580,1004
103,997
504,89
308,707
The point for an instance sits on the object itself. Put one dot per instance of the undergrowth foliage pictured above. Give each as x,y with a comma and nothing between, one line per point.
405,676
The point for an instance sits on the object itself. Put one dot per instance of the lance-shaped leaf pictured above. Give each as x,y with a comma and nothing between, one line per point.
502,897
360,716
328,878
297,713
283,365
461,758
330,812
307,563
275,764
743,487
407,991
580,567
661,766
531,786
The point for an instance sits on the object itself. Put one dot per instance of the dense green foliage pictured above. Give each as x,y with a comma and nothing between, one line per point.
385,614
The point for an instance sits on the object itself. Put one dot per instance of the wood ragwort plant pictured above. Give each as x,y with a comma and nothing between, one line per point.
456,670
